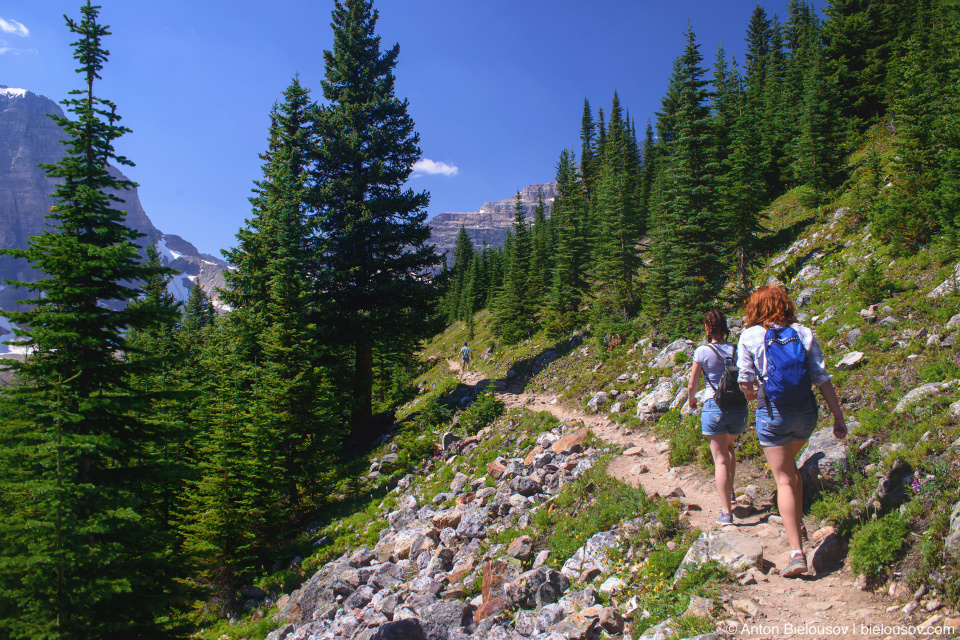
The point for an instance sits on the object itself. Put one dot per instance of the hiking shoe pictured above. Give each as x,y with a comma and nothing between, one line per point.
796,566
726,518
803,535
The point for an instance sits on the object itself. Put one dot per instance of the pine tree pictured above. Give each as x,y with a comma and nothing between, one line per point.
291,410
905,215
541,256
776,120
81,555
568,283
462,257
855,57
515,311
821,148
742,193
372,253
588,150
691,197
619,221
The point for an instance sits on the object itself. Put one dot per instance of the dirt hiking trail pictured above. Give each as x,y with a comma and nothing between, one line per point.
772,606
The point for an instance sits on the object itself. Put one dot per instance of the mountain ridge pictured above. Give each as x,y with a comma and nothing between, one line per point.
30,137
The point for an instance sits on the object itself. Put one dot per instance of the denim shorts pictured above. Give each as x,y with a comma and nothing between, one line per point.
715,421
788,422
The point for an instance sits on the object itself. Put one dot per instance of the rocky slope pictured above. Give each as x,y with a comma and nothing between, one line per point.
490,223
28,137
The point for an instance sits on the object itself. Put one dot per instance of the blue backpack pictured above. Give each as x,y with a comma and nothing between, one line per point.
787,379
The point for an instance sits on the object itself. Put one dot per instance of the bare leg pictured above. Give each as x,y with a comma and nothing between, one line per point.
782,461
724,466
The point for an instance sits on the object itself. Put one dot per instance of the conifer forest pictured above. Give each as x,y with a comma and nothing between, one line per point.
155,456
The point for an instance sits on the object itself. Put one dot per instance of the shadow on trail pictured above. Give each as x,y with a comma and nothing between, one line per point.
525,368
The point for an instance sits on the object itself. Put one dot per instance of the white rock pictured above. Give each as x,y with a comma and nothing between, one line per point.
850,360
947,286
612,585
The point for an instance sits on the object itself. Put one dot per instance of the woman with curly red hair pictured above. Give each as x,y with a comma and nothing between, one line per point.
780,361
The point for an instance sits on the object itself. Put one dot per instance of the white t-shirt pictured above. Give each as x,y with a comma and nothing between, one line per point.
712,365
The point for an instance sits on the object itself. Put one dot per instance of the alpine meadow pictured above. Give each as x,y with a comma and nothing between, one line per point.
354,434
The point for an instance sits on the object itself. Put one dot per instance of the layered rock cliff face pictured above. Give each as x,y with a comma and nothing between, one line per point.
491,222
28,137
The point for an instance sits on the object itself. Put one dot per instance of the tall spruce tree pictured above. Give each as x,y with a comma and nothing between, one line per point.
81,554
822,145
515,311
569,217
272,282
619,221
372,256
691,197
462,257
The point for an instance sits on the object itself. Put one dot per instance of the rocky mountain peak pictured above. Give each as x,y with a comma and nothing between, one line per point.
490,223
29,137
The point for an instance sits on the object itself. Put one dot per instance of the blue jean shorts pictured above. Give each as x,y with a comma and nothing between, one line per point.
786,423
715,421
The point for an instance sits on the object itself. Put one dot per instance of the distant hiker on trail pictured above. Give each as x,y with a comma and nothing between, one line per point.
725,414
465,358
780,362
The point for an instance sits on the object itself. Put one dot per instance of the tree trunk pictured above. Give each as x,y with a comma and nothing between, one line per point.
362,394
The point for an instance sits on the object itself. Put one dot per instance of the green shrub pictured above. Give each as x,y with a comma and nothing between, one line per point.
871,284
684,442
485,409
875,546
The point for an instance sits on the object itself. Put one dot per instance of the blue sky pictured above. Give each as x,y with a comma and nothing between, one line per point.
496,87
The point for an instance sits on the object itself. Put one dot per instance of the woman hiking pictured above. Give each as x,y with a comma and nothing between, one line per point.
780,362
721,425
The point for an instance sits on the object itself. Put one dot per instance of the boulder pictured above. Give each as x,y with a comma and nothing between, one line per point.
666,357
497,573
575,627
822,461
611,621
951,544
660,631
459,482
850,360
831,551
599,399
852,336
732,549
809,272
401,519
525,486
805,297
921,392
947,286
495,469
408,629
590,560
473,523
521,548
448,615
572,442
953,322
492,607
657,401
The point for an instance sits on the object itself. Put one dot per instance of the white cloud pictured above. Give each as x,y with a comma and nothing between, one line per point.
14,27
430,167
